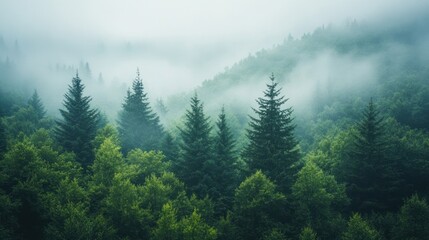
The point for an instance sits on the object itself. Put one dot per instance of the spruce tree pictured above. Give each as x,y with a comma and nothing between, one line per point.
77,130
139,126
225,163
371,177
36,103
195,165
170,147
272,146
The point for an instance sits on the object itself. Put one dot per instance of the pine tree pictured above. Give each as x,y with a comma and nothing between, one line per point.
170,148
371,177
272,146
225,163
139,126
77,130
195,163
36,103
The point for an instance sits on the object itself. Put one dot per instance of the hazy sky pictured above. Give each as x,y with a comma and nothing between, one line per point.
181,42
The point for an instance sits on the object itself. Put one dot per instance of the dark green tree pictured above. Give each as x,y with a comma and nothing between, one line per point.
27,119
167,226
195,165
372,178
139,126
257,206
307,234
359,229
413,219
170,148
3,139
194,228
36,103
272,146
225,163
77,130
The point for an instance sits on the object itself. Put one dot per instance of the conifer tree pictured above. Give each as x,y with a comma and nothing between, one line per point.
371,177
195,163
170,147
36,103
139,126
272,146
77,130
225,162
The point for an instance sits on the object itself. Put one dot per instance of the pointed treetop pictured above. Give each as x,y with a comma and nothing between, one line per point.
36,103
272,77
77,73
138,74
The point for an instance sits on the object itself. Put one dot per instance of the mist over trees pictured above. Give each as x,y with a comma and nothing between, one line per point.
349,159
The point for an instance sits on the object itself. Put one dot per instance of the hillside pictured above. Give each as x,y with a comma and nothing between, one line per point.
329,75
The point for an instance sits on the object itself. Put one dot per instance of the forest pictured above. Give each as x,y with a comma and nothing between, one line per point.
246,155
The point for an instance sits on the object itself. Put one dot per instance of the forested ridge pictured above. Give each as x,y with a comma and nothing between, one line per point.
348,160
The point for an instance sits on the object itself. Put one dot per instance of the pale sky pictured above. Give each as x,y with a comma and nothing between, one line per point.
183,42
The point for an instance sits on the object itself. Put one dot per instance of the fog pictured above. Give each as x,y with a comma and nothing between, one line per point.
175,44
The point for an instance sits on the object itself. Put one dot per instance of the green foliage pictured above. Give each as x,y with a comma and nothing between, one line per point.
319,200
272,146
274,234
155,193
307,234
22,171
26,119
123,209
77,130
167,226
194,228
108,161
107,131
72,221
36,103
411,149
413,219
8,218
170,148
371,176
225,164
226,227
196,166
257,206
44,194
139,126
3,138
359,229
146,164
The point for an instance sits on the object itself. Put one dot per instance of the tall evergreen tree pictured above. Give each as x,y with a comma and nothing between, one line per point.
77,130
139,126
272,146
170,148
195,163
371,177
225,162
36,103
